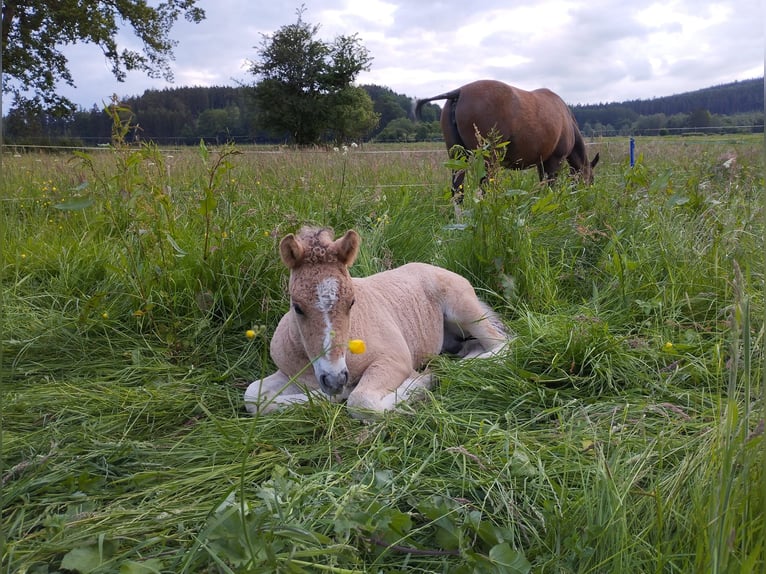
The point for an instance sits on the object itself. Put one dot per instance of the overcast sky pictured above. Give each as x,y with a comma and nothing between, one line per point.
589,51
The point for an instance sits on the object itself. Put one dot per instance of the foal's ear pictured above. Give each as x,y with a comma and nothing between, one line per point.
348,247
291,250
594,161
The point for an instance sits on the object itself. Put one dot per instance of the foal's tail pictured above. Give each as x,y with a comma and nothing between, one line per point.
452,96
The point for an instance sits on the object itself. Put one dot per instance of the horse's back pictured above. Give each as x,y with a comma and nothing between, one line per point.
417,278
420,294
535,123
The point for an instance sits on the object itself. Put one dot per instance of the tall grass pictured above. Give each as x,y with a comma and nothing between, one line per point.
623,432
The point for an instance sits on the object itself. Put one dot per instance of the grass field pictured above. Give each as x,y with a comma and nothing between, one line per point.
623,432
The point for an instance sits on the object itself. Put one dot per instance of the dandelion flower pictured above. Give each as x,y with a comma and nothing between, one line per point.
357,346
250,334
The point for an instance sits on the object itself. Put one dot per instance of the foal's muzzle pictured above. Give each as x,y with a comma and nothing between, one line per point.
333,383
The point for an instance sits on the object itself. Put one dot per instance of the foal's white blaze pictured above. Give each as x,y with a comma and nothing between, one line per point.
327,298
327,294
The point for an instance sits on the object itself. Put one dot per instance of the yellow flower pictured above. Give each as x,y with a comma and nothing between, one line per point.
104,315
250,334
667,346
357,346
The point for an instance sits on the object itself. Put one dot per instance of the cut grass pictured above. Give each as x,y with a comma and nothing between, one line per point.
620,434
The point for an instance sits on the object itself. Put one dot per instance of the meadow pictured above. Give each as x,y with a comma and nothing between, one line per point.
622,433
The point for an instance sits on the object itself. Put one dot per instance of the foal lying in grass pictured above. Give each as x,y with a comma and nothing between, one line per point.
404,316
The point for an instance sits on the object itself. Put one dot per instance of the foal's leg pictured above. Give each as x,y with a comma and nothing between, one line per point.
383,386
275,392
469,315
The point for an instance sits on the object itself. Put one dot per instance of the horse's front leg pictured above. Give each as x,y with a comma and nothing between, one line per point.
383,386
549,169
275,392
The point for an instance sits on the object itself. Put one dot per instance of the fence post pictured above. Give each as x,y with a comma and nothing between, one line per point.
632,151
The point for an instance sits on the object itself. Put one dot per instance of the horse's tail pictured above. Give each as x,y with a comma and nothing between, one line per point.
453,95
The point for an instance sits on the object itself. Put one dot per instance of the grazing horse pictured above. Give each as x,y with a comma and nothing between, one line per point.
405,316
539,127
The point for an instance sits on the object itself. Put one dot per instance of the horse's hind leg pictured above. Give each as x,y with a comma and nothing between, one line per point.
458,193
458,177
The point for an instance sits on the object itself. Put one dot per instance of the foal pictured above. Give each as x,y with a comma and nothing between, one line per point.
405,316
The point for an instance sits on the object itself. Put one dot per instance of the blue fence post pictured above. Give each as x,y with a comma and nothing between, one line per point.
632,151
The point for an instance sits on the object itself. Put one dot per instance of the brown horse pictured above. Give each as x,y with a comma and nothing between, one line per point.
539,127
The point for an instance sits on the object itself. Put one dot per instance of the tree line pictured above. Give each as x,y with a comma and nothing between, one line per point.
737,106
185,115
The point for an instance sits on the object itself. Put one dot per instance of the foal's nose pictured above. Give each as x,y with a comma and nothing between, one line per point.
333,383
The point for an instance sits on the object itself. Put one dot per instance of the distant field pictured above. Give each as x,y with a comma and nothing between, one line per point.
623,433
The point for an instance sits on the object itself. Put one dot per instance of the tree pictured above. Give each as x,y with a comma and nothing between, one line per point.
700,118
351,114
33,32
398,130
303,79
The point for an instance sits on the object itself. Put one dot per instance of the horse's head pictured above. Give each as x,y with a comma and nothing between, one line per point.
321,296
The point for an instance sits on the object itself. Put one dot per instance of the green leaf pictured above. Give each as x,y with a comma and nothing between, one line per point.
508,560
151,566
203,151
177,248
456,164
447,538
521,465
400,522
86,559
207,204
75,204
678,199
545,204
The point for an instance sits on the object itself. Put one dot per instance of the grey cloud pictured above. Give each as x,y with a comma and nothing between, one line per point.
604,52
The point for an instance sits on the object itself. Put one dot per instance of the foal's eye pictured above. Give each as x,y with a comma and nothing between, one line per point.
297,309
